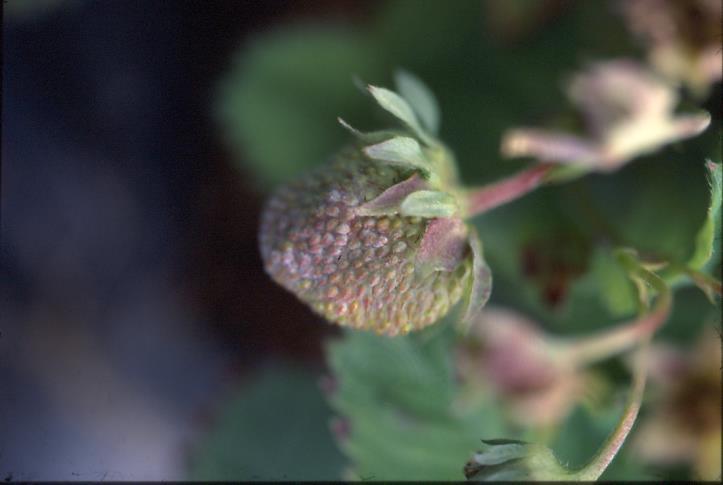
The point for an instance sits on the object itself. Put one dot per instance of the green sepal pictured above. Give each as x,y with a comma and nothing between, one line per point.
481,285
420,97
443,246
367,137
397,106
400,150
429,203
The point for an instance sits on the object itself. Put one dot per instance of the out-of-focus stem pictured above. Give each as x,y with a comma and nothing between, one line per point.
604,457
578,353
595,468
707,283
483,199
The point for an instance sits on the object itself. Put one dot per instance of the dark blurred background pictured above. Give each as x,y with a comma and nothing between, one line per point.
132,289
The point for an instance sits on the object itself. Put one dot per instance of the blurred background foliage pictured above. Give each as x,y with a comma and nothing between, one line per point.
369,407
252,439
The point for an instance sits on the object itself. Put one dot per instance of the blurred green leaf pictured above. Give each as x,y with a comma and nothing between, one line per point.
398,395
278,106
707,242
691,312
279,103
616,290
275,427
649,205
419,96
537,249
400,109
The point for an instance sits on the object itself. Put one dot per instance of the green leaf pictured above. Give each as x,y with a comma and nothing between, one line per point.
533,246
279,103
429,203
420,97
707,241
616,291
275,427
652,206
398,395
397,106
400,150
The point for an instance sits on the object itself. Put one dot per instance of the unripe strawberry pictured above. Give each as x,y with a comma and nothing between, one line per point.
370,241
356,270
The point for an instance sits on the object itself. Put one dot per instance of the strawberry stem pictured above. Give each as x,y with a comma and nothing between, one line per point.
647,326
612,445
486,198
612,342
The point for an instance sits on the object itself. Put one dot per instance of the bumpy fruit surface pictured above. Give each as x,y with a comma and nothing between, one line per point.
375,239
357,270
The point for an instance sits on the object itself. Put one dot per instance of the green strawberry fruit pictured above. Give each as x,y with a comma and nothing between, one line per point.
375,239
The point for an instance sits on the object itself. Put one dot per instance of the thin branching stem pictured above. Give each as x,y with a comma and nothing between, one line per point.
589,350
595,468
612,445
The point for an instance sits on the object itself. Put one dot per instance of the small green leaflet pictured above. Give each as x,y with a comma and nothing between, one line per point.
366,137
481,286
429,203
400,150
707,241
396,105
420,97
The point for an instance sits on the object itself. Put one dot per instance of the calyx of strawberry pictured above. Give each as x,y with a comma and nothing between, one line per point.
432,191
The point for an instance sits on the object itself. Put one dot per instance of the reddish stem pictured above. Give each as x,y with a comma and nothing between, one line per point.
506,190
592,349
615,441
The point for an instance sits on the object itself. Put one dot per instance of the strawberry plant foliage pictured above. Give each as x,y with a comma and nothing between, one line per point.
317,232
402,414
398,397
250,440
273,121
332,239
708,239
